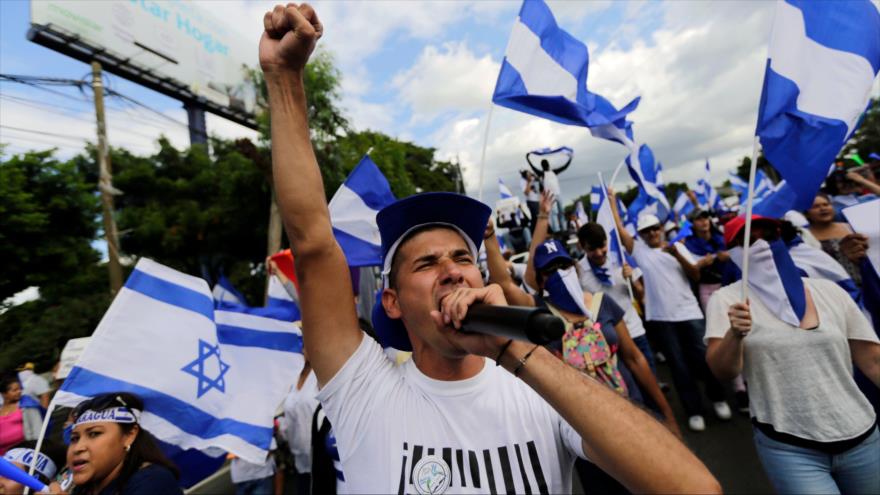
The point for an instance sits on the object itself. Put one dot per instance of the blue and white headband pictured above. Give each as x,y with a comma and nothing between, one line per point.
23,456
123,415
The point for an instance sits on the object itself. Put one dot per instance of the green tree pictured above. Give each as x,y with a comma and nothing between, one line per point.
866,139
48,219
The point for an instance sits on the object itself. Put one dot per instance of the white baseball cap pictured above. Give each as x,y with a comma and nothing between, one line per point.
647,221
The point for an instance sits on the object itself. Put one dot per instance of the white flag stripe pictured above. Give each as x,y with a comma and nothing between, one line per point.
255,322
351,215
150,267
839,91
541,75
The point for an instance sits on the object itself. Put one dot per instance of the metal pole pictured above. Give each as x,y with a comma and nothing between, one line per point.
274,238
483,155
198,128
105,183
748,229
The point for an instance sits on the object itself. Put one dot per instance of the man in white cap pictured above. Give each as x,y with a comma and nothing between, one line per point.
448,419
673,313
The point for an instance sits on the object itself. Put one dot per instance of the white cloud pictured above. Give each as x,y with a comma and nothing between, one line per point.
699,76
449,78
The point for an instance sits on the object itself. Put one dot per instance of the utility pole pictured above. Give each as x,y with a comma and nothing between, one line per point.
105,183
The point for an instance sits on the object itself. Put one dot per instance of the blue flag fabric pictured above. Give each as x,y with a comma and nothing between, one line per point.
225,292
683,206
353,212
202,374
644,171
822,61
777,202
544,73
503,190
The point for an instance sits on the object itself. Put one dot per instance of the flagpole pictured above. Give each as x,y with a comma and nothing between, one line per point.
618,169
43,429
616,234
748,229
483,154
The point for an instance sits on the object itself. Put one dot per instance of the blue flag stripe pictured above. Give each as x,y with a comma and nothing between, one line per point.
171,293
358,252
367,181
567,51
182,414
248,337
854,25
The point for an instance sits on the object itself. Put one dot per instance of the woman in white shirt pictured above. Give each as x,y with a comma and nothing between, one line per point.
795,342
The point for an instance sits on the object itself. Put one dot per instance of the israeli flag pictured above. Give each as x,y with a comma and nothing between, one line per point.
644,172
683,205
280,296
503,190
225,293
204,388
544,73
822,61
353,212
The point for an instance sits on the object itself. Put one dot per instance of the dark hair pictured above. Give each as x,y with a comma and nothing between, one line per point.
7,382
545,165
592,235
395,261
144,448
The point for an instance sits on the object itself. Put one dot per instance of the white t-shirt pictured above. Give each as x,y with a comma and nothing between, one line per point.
551,182
617,291
800,381
33,384
299,408
396,428
532,194
668,294
241,470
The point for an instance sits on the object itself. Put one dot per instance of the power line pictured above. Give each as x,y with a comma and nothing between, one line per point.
61,136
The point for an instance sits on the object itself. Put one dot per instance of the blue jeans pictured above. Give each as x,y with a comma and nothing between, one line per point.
794,469
262,486
682,343
557,216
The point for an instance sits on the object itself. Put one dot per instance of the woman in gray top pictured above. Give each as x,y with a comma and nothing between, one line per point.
795,342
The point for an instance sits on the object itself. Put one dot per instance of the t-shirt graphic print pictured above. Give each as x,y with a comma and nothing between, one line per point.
399,431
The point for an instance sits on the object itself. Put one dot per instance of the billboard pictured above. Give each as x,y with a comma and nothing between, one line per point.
174,42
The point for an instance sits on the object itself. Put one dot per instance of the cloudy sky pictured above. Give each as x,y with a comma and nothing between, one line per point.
425,71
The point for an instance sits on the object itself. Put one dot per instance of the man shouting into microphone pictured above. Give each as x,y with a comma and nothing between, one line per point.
449,419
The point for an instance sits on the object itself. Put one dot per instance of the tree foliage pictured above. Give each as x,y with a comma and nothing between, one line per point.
866,139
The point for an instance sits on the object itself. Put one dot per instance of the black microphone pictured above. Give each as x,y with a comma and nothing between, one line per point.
536,325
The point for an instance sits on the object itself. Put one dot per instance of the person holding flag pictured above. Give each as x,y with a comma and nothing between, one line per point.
674,313
410,428
795,341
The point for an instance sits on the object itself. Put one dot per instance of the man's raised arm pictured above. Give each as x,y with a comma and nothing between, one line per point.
330,327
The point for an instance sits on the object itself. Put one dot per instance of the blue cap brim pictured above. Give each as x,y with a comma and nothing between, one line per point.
395,220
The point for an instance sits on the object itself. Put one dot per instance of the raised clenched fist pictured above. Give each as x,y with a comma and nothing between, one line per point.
289,38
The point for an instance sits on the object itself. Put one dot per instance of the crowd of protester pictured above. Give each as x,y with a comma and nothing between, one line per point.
412,402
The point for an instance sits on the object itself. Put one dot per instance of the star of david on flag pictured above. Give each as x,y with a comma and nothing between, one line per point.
197,369
201,371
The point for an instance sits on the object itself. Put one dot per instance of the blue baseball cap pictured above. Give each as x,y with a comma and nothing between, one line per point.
396,221
548,252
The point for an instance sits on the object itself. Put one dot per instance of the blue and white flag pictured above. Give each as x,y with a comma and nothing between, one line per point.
353,212
581,214
737,183
683,206
503,190
822,61
819,264
605,218
225,293
202,388
658,176
280,296
643,170
776,202
707,196
774,279
544,73
595,198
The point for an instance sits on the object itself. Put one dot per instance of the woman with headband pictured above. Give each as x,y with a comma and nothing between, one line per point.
109,453
21,456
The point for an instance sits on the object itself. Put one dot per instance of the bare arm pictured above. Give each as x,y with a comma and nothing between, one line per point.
638,289
542,226
538,172
691,270
620,438
866,356
563,167
498,273
625,237
864,182
330,333
725,355
637,364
